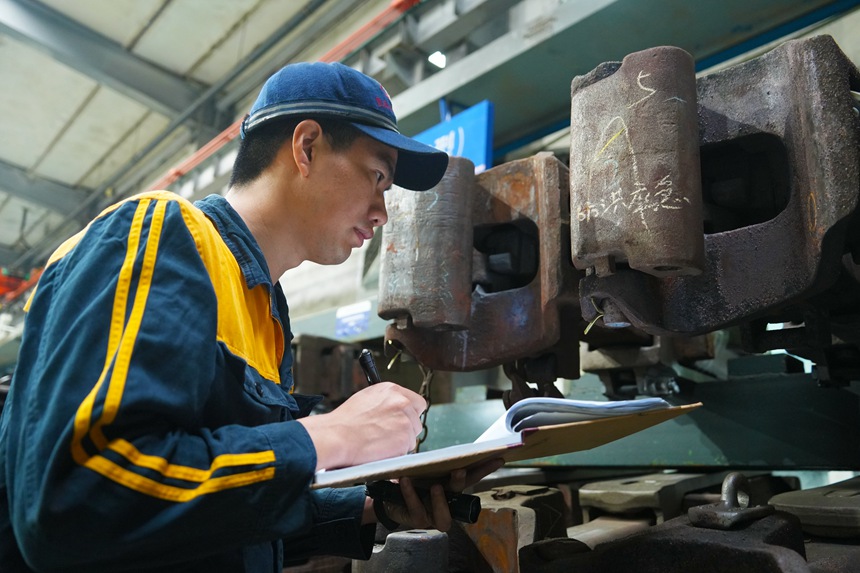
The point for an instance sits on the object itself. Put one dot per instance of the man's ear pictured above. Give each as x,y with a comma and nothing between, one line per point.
305,144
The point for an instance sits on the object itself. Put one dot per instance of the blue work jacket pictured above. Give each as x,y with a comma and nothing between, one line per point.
150,421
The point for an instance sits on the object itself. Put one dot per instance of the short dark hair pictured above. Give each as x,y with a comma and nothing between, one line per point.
258,149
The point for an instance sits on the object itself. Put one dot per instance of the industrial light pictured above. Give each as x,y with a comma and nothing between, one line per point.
438,59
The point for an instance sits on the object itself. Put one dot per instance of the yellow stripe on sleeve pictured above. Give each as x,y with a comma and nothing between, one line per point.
153,488
85,410
129,334
119,353
160,465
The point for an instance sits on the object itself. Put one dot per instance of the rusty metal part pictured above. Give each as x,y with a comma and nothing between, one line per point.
832,510
659,494
425,276
628,370
636,192
417,550
613,317
733,508
811,336
773,544
780,156
326,367
475,272
512,517
607,528
520,372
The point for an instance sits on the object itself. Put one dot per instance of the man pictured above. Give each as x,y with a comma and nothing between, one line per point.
151,424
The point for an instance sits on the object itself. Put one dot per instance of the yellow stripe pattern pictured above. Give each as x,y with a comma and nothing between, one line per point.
247,334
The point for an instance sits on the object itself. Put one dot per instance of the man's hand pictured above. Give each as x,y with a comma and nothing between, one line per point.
380,421
434,514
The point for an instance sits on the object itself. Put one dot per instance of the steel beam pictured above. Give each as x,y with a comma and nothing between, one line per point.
96,56
43,192
528,69
450,22
254,72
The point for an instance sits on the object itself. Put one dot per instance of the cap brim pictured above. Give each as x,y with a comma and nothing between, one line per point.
419,166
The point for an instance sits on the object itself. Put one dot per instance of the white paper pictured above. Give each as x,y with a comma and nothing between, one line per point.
534,412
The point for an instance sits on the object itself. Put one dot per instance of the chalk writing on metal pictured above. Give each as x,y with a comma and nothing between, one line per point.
614,179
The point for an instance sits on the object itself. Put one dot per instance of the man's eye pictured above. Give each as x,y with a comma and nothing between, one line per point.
380,176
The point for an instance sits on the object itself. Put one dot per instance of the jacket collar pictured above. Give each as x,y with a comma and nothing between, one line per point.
238,239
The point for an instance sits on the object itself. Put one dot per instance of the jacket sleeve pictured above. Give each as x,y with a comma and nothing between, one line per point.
115,452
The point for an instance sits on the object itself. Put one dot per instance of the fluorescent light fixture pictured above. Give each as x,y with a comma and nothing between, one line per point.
438,59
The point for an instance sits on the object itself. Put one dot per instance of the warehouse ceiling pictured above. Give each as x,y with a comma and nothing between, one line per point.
104,98
99,94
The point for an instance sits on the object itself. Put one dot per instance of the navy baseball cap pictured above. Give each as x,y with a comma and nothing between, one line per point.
336,90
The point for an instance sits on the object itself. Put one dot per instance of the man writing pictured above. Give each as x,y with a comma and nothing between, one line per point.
151,423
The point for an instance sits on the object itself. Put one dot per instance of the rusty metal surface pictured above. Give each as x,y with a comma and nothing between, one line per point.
661,494
636,194
326,367
426,265
627,369
607,528
773,544
415,550
512,517
789,113
476,274
832,510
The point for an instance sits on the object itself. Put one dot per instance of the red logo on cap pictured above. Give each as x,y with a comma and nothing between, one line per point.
383,102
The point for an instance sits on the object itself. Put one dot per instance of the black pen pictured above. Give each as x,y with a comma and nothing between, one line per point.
368,366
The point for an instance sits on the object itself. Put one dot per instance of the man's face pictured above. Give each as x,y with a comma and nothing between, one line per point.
348,200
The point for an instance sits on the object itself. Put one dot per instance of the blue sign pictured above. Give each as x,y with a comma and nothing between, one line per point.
352,320
468,134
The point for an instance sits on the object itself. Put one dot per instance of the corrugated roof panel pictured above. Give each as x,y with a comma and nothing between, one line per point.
39,98
186,31
260,24
119,20
121,153
100,126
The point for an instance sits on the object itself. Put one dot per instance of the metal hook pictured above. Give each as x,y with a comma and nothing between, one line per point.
733,507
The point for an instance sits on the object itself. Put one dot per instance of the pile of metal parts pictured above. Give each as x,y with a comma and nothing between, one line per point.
690,206
657,523
699,221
